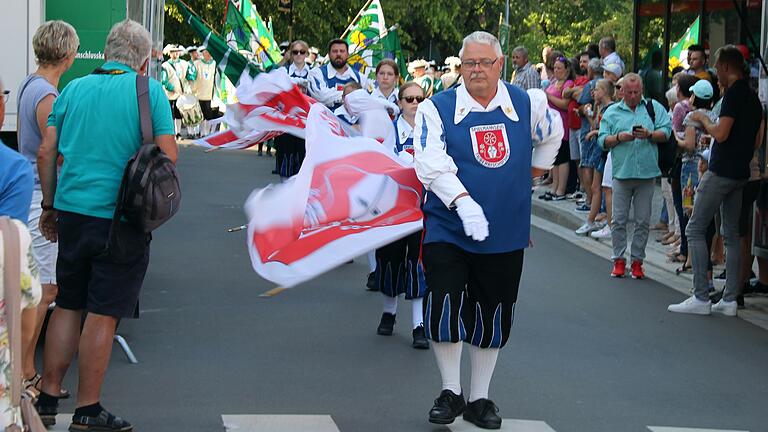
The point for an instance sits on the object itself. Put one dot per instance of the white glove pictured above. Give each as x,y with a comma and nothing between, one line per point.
473,218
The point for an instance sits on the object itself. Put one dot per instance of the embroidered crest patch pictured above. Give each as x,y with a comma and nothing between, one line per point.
490,144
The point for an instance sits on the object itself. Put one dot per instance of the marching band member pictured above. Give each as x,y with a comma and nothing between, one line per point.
387,77
326,82
477,147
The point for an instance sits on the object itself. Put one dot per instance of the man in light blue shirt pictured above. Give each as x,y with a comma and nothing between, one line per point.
95,126
631,129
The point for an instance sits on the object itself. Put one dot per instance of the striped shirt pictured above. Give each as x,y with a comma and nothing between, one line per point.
526,77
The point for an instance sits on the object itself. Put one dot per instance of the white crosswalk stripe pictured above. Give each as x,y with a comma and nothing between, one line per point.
62,423
680,429
507,425
279,423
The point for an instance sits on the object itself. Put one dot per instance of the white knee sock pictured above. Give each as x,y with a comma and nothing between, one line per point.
418,313
390,305
483,363
448,356
177,126
371,261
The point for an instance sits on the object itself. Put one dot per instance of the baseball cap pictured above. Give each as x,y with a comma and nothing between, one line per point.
613,68
702,89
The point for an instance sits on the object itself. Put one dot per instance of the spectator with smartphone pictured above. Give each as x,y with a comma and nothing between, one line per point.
630,130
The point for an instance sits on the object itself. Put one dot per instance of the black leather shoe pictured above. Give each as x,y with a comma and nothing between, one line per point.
483,413
447,407
419,339
387,324
371,284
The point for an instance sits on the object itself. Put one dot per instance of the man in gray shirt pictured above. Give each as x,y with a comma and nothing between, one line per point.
525,75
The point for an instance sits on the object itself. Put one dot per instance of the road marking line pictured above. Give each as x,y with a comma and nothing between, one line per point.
507,425
279,423
678,429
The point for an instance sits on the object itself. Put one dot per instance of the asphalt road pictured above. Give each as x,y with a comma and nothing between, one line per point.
587,353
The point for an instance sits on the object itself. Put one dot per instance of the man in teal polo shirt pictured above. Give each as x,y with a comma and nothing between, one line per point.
629,132
95,127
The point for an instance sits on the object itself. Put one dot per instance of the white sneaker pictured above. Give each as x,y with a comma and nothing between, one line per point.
692,305
586,228
602,233
725,307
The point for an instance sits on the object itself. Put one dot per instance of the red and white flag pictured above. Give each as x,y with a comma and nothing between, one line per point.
352,195
269,105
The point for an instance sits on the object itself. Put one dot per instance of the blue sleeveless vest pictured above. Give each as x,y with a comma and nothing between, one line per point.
337,82
500,182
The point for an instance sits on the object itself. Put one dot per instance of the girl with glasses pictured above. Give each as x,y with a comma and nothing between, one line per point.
290,150
399,270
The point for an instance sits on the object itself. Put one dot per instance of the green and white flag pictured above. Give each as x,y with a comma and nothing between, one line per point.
229,62
266,48
678,54
237,31
363,34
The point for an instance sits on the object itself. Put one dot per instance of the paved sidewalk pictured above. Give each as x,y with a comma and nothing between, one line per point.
560,218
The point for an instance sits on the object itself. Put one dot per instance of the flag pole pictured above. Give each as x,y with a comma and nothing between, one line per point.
191,11
365,6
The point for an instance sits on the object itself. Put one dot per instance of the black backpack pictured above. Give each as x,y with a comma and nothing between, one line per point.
667,149
149,192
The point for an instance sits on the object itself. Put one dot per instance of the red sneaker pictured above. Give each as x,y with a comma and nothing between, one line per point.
637,270
619,268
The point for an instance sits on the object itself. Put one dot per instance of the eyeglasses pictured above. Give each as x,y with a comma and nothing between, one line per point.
483,63
5,95
411,99
297,52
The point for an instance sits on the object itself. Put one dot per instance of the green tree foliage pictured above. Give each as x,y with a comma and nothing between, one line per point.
437,26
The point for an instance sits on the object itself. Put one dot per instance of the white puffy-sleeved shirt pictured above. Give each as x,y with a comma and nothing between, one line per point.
330,96
392,96
437,170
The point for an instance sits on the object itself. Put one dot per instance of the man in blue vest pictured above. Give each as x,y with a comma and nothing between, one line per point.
326,83
476,148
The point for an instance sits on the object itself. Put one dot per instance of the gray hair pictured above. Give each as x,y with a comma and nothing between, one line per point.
596,65
523,51
608,43
481,37
53,42
128,43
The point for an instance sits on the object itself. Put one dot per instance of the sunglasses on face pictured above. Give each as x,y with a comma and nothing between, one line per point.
412,99
297,52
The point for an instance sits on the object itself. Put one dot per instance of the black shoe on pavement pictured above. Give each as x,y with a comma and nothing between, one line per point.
419,339
483,413
104,422
371,284
756,288
47,414
447,407
386,325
